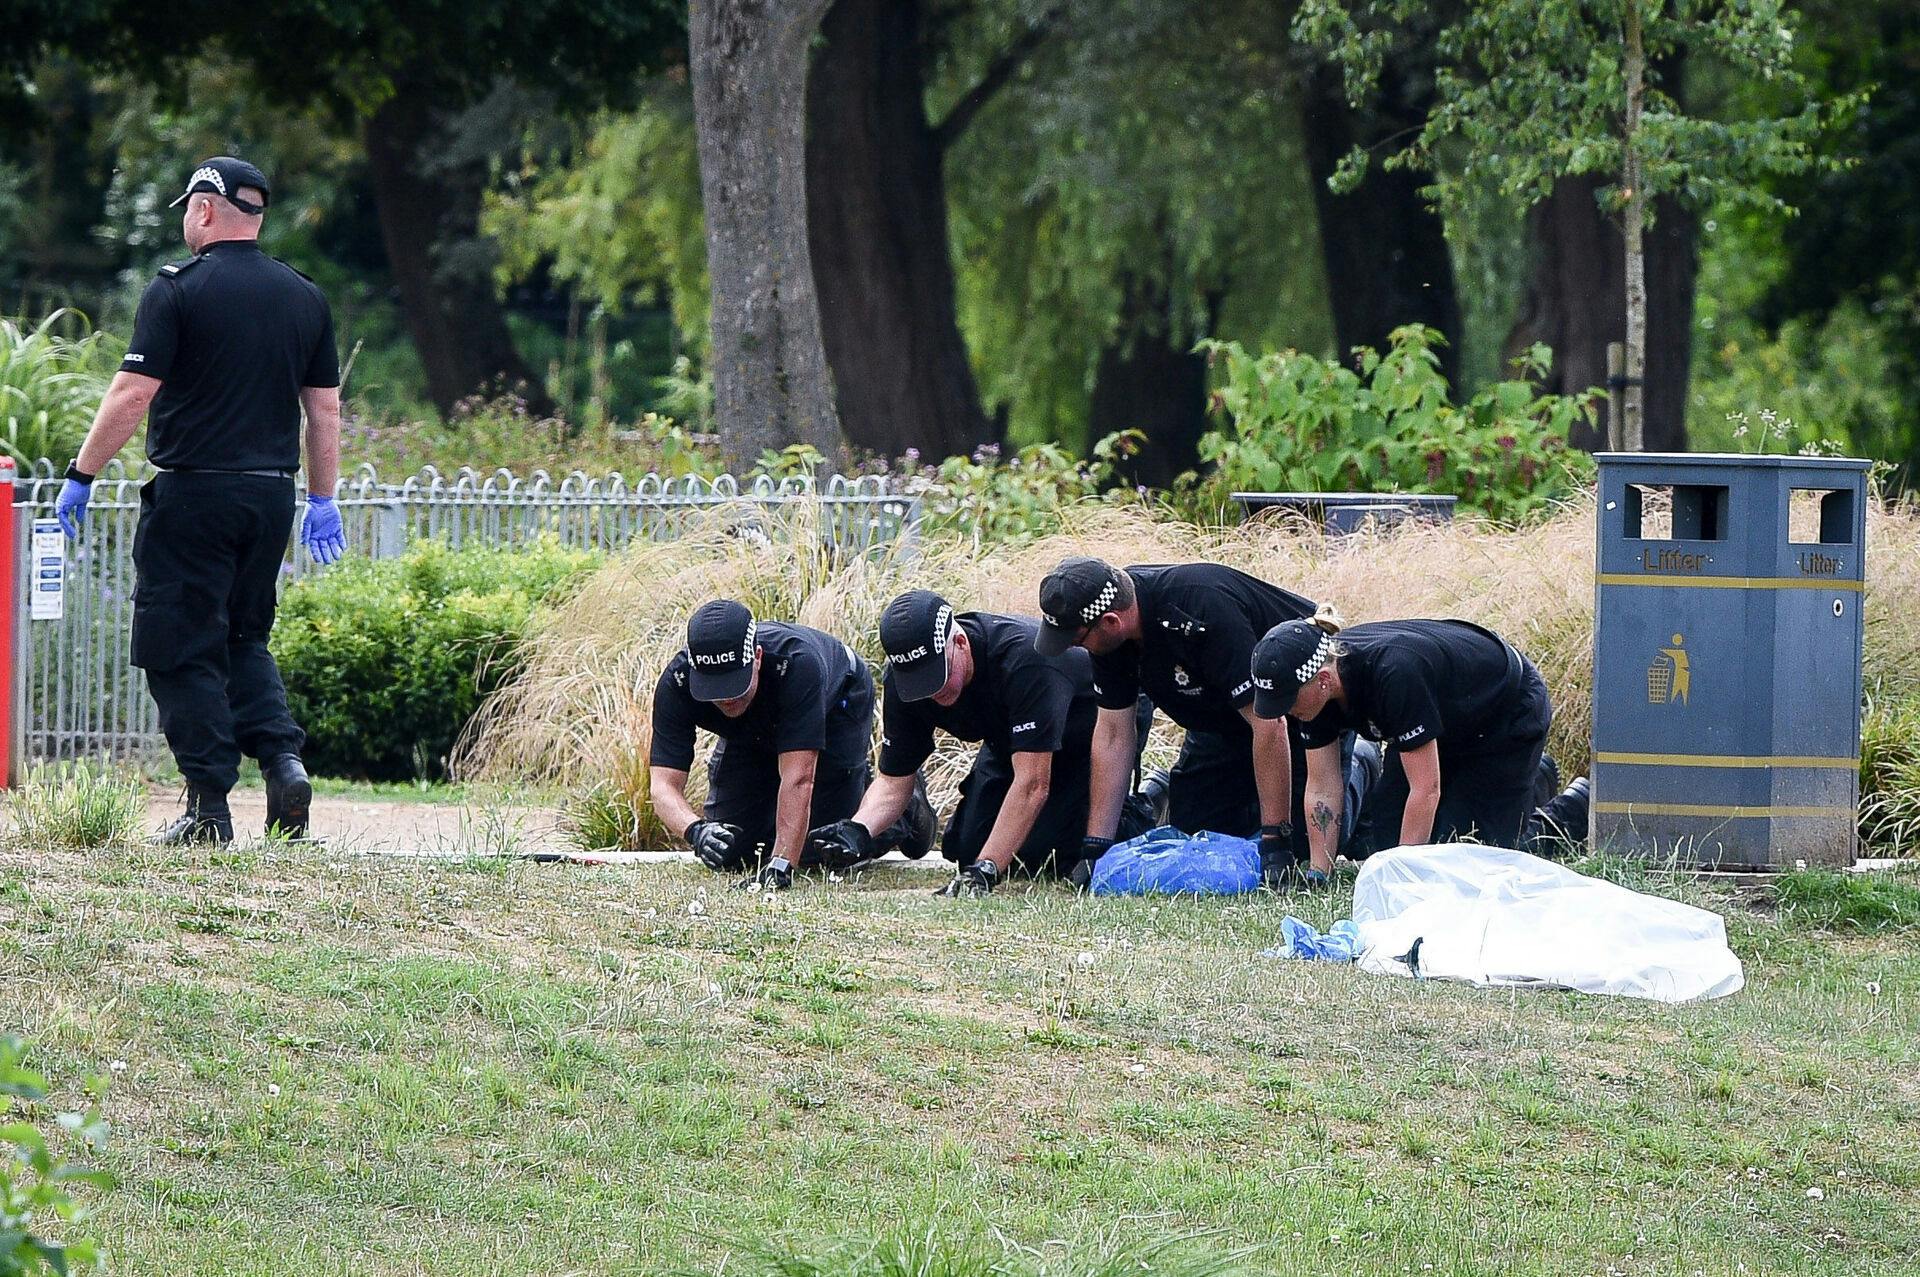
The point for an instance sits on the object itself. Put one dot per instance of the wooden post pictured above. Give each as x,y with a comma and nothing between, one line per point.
1616,383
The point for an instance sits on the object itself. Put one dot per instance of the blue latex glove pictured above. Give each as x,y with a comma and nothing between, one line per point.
1341,943
321,532
70,507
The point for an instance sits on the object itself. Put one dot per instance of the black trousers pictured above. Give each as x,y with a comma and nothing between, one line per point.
1486,784
207,556
743,782
1214,786
1053,845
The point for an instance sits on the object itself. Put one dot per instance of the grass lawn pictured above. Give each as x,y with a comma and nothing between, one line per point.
361,1066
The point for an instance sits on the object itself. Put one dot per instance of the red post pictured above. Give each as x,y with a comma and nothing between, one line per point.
10,574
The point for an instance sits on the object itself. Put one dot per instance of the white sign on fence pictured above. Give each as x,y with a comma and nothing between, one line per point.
49,569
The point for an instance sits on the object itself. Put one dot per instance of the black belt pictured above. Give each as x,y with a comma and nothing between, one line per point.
1516,663
263,474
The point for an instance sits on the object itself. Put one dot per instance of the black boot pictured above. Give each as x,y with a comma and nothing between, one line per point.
1560,827
289,797
1546,783
206,819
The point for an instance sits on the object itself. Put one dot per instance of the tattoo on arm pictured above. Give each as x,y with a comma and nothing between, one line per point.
1322,817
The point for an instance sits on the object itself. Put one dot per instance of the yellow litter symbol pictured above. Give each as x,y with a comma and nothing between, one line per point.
1670,678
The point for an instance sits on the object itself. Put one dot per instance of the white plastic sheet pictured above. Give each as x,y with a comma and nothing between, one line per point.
1490,916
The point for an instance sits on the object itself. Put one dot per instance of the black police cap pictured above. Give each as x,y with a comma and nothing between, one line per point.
1074,595
720,646
223,175
914,631
1285,661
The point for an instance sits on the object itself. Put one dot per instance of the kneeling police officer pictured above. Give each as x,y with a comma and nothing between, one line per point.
1463,716
793,708
977,676
1184,634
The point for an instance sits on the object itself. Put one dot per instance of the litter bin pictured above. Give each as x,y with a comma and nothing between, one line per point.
1342,513
1727,644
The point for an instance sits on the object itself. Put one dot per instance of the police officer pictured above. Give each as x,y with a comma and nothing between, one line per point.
976,676
230,348
793,708
1463,715
1184,634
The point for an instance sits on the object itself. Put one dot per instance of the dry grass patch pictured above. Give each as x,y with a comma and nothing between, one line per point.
578,713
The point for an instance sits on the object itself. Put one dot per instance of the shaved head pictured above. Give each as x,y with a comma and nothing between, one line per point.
209,218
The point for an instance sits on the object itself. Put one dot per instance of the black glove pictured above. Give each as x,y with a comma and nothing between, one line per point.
775,875
713,842
841,845
1278,870
972,882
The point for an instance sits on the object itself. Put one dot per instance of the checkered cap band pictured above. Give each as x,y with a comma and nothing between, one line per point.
1101,602
942,626
1313,663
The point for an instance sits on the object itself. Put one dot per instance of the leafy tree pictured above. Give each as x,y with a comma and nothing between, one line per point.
1140,188
396,73
612,207
1534,91
877,218
1851,261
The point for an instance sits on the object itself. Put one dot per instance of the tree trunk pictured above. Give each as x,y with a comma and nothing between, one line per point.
877,232
1385,249
1632,438
771,382
429,217
1149,378
1575,302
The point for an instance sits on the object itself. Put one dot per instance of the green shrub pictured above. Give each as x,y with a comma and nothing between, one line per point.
386,660
77,807
52,378
35,1183
986,497
1828,900
616,814
1890,776
1304,424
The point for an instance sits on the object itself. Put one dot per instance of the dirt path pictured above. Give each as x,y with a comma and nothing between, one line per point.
427,829
395,828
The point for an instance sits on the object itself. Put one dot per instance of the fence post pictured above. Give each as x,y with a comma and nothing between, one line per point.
12,717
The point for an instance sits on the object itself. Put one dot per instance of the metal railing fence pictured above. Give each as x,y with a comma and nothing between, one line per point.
81,699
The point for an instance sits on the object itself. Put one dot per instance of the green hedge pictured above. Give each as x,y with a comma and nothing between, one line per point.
386,660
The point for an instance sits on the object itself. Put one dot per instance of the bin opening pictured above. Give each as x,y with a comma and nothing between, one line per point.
1820,516
1675,512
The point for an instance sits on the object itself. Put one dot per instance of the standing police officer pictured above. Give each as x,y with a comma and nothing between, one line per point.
1184,634
793,708
976,676
229,348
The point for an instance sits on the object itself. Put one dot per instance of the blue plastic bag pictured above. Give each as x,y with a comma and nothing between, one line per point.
1165,861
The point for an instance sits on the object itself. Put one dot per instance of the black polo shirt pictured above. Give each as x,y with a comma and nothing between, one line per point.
1194,657
806,679
1409,682
233,335
1019,702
